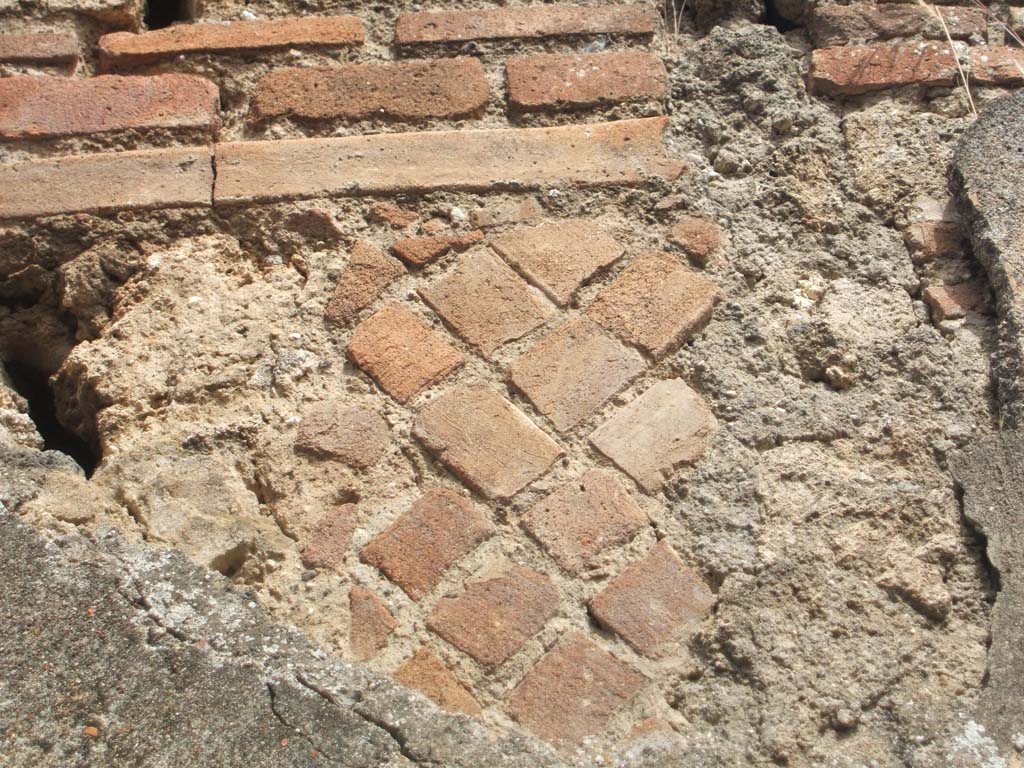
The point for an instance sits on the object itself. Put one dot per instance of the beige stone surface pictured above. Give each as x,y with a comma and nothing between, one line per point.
352,434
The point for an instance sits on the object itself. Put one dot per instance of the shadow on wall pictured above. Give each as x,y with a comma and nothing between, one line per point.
163,13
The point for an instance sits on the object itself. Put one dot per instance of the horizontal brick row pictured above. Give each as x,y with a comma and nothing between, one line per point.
60,106
831,25
39,48
535,21
406,90
862,68
551,81
127,49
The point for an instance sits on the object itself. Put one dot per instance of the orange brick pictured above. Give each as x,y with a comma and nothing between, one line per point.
626,152
862,68
558,258
574,370
929,240
997,65
498,612
665,428
524,22
486,303
565,80
418,251
371,623
330,537
393,215
583,518
572,692
426,673
439,529
653,601
835,25
401,352
357,436
699,238
951,302
120,49
57,48
485,440
655,303
63,106
399,90
314,224
138,180
369,271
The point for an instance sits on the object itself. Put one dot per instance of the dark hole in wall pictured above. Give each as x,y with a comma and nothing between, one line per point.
774,17
34,386
163,13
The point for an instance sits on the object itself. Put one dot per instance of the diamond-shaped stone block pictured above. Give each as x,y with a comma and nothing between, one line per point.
664,428
583,518
401,352
485,440
426,673
574,370
655,304
499,611
439,529
372,623
558,258
486,303
653,601
573,691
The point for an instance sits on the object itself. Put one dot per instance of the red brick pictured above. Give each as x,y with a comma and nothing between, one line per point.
558,258
862,68
655,303
836,25
951,302
371,623
997,65
498,612
369,271
393,215
564,80
58,48
314,224
330,538
426,673
399,90
574,370
665,428
138,180
524,22
573,691
929,240
580,520
624,152
439,529
699,238
485,440
401,352
506,213
126,48
418,251
486,303
63,106
653,601
357,436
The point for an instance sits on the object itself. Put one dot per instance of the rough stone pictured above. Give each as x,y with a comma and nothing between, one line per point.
357,436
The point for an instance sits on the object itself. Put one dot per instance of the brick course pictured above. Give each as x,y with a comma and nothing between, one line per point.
402,90
996,65
836,25
120,49
524,22
856,69
576,80
57,48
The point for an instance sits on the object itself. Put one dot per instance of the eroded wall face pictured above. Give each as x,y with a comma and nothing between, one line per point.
591,374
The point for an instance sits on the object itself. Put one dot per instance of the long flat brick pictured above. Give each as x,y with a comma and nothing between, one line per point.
126,48
485,440
400,90
855,69
997,65
832,25
63,106
524,22
562,80
626,152
573,691
142,179
39,48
